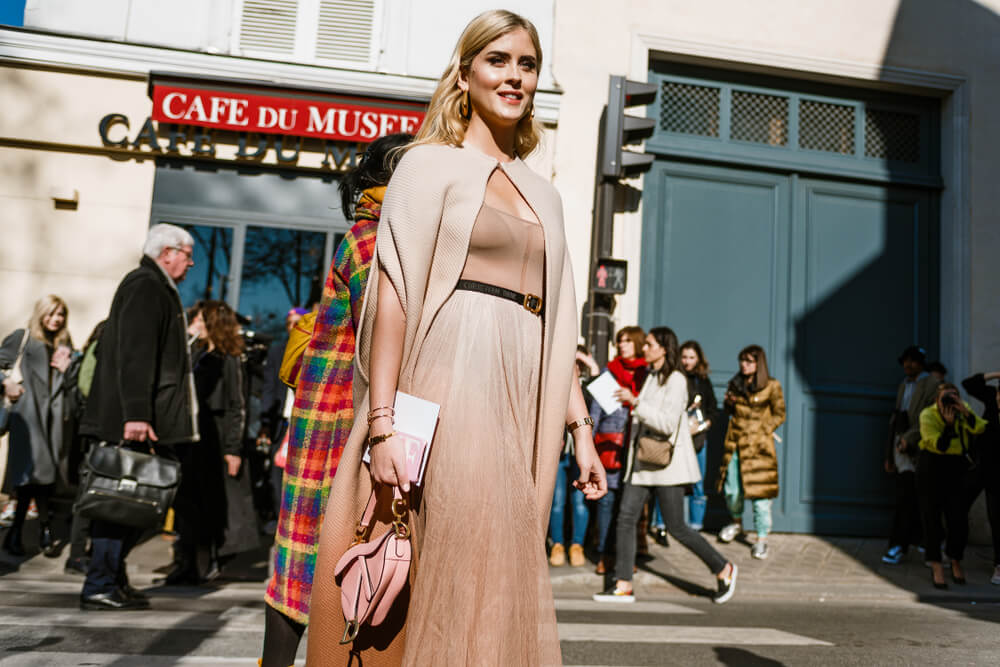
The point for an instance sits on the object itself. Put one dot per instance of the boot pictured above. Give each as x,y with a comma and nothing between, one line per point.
12,543
45,541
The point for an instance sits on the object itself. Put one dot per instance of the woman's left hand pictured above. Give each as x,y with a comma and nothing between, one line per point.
233,464
593,481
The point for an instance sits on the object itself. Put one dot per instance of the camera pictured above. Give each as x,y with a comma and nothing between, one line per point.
949,400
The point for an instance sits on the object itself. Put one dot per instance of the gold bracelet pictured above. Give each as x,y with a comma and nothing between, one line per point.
586,421
378,439
372,416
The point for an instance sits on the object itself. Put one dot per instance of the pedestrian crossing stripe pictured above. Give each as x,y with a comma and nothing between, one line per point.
683,634
640,607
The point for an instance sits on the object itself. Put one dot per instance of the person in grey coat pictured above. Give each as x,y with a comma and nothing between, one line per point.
917,391
37,414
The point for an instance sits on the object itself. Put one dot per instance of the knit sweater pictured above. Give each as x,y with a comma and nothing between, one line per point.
422,242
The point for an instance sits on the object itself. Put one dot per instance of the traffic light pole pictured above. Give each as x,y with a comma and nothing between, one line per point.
616,130
599,320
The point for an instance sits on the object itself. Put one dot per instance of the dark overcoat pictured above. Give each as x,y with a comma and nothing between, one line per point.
754,417
222,506
36,420
143,367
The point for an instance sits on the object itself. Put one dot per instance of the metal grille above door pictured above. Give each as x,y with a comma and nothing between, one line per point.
826,127
787,124
690,109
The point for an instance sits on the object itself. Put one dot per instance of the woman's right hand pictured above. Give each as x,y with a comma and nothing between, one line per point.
12,390
388,463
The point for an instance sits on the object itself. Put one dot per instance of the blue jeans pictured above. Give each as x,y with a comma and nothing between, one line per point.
606,512
566,473
697,499
733,492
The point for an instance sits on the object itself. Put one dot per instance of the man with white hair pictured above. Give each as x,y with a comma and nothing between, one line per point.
142,392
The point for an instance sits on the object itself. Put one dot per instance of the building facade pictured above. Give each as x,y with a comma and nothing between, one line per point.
233,118
822,187
822,183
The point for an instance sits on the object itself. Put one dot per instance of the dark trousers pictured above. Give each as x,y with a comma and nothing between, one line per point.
986,476
906,526
110,546
79,533
941,485
671,499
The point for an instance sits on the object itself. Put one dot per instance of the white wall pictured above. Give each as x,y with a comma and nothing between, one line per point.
81,254
421,34
197,25
417,36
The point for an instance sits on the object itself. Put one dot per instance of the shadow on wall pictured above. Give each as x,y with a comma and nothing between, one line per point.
847,340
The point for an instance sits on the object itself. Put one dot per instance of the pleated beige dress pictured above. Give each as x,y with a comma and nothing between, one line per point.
481,595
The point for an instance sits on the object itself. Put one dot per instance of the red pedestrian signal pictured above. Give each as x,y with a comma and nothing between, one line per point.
610,276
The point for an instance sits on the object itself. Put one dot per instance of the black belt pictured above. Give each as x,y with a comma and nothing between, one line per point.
530,302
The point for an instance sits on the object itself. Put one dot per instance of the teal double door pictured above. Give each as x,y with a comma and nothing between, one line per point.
833,279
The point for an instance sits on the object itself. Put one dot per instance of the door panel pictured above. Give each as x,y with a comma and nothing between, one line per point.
861,294
711,260
833,279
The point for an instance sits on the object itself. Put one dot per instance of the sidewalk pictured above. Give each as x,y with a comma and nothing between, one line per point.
802,567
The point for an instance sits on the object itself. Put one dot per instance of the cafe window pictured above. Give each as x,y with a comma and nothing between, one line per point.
263,241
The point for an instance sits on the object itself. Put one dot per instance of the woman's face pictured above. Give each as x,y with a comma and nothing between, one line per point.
626,348
748,365
502,79
652,350
689,359
54,321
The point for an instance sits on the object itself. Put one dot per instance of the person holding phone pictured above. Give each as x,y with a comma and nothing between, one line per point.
44,351
946,431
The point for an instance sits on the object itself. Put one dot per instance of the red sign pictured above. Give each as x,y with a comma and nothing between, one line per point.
325,118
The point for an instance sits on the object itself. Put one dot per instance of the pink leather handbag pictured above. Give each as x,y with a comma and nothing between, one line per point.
372,574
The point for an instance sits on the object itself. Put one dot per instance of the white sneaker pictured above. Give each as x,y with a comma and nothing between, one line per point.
7,514
614,594
759,550
995,580
729,533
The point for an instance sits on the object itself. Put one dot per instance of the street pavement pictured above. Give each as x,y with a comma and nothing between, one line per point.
813,602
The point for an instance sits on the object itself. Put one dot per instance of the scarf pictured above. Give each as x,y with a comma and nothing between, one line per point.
625,372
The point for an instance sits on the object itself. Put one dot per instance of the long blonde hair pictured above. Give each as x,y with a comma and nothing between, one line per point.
443,123
43,308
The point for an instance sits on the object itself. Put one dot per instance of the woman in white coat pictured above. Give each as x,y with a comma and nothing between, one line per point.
662,406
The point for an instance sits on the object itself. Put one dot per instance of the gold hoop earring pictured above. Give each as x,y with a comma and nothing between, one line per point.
532,114
465,106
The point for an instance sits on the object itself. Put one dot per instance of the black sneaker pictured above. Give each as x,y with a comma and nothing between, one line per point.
727,586
77,565
613,594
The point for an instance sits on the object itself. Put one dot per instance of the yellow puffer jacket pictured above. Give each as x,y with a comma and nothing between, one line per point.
752,424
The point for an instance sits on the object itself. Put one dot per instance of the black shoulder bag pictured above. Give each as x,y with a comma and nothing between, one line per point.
120,485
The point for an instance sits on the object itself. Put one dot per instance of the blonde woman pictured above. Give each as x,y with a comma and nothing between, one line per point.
470,304
36,420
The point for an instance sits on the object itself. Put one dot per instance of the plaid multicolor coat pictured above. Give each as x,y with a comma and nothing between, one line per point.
322,415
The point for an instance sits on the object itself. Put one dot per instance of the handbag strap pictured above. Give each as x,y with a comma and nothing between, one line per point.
15,370
399,513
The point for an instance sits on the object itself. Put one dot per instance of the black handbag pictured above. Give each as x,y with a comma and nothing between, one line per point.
119,485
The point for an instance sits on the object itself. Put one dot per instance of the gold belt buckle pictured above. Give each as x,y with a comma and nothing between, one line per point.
532,303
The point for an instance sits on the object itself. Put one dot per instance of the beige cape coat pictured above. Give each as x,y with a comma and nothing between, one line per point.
422,241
